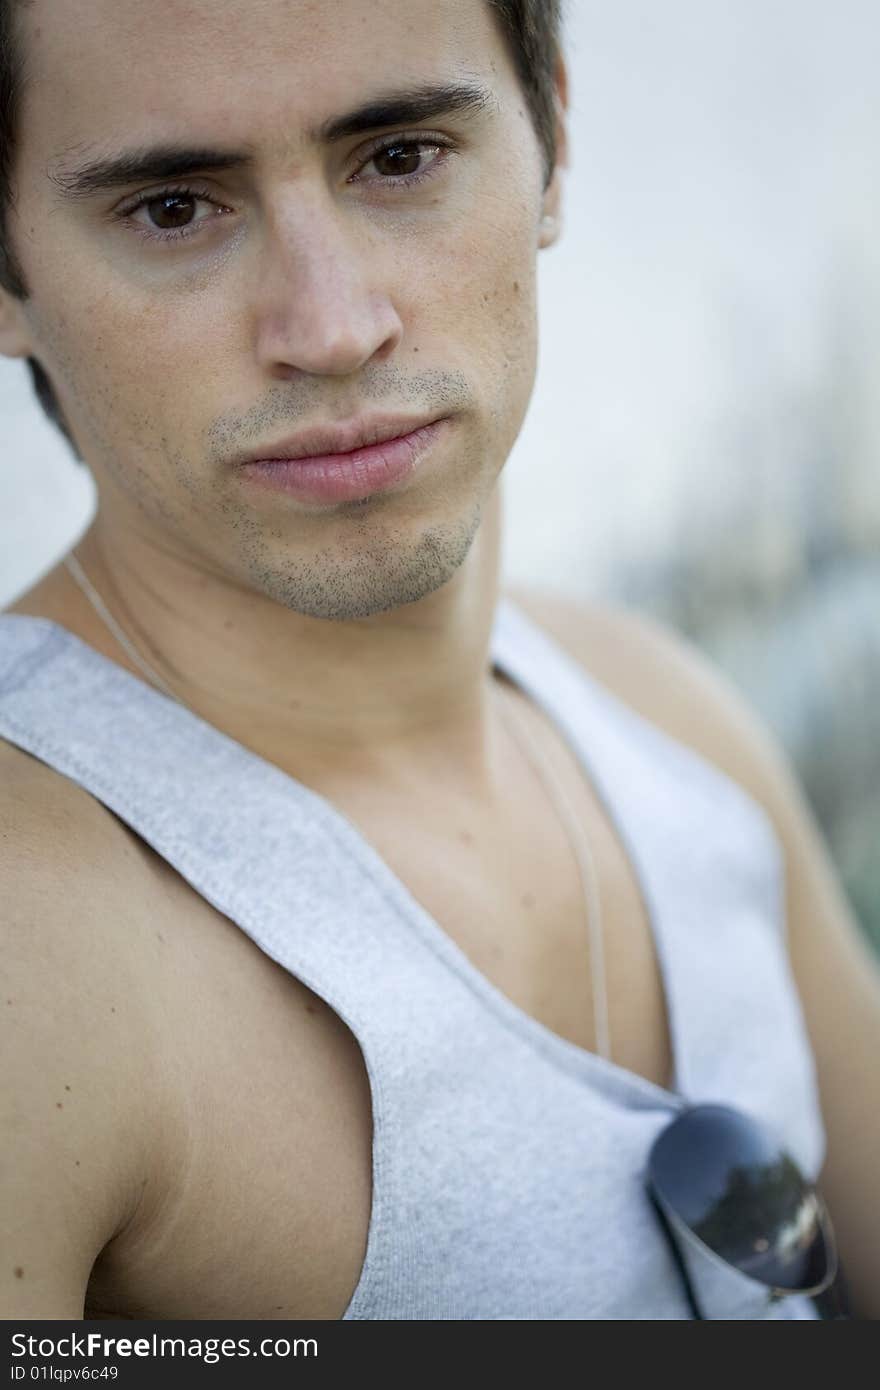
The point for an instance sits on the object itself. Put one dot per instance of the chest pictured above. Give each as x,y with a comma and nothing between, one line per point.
266,1212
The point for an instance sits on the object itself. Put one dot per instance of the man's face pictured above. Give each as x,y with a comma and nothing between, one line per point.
315,281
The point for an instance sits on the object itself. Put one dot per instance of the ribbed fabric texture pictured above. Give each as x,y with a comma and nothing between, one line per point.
508,1163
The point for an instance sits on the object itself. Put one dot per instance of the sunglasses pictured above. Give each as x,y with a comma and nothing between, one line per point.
745,1227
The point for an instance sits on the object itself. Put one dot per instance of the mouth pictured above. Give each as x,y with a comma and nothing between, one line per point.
348,475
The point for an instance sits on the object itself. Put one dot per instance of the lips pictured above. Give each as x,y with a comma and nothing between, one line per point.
352,475
331,441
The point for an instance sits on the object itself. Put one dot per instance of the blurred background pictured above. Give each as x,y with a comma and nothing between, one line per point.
707,401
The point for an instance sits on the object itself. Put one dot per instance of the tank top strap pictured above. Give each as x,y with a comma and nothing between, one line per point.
712,873
508,1164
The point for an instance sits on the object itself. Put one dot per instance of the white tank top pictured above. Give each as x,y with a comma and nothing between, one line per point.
508,1163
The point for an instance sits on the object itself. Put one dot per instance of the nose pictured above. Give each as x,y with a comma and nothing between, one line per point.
323,306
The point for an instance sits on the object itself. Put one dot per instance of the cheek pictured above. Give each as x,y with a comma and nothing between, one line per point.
477,266
122,371
481,297
503,300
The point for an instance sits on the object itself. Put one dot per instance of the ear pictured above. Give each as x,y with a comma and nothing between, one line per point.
551,207
15,335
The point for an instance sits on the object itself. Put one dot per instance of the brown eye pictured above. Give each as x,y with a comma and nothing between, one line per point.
399,161
171,212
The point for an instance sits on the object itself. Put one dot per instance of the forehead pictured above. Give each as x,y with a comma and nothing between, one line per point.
110,71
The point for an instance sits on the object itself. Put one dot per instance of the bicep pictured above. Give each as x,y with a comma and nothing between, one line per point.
63,1188
72,1146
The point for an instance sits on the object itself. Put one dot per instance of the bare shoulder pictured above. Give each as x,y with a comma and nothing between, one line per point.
61,844
667,681
85,1081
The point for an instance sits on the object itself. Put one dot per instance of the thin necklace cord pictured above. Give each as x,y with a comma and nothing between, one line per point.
523,738
588,873
91,593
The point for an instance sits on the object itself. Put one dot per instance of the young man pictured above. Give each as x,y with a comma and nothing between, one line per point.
298,987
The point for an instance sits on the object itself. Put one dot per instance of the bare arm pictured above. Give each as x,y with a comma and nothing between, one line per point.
73,1042
837,977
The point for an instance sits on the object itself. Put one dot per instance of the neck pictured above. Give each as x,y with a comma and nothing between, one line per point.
404,689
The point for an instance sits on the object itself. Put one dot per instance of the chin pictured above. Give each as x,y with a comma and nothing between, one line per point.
365,574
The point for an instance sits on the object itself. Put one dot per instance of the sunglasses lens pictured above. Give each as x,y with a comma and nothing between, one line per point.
727,1179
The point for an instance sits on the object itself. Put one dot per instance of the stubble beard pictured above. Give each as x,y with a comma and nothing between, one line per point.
367,574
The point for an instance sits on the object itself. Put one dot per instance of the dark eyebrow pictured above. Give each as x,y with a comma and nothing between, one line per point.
410,106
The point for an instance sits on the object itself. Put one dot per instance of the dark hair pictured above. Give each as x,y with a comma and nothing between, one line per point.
532,28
